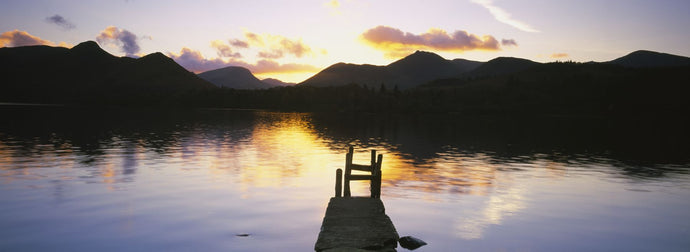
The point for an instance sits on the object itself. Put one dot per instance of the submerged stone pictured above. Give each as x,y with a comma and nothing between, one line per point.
410,242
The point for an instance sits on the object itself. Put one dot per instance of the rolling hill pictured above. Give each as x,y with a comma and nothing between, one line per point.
234,77
88,74
341,74
411,71
643,58
640,82
277,83
500,66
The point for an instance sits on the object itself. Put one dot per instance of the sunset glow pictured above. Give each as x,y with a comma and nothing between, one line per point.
292,41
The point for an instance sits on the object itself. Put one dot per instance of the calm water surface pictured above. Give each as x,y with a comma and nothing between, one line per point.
86,180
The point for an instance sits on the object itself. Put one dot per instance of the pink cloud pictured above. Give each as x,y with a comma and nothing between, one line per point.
60,21
239,43
126,40
508,42
193,61
395,43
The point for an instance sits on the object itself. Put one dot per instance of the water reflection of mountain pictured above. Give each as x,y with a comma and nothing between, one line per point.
91,131
109,143
631,141
636,146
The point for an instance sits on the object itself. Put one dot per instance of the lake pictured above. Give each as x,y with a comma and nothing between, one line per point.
230,180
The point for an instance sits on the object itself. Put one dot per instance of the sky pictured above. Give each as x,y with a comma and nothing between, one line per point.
293,40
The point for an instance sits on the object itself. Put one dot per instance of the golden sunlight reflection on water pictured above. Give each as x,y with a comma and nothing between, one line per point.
280,150
244,172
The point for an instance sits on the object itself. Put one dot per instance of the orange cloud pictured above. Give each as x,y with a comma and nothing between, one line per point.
334,6
270,66
276,46
273,54
224,50
21,38
193,61
396,43
559,55
254,39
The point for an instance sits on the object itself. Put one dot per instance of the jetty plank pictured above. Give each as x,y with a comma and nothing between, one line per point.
360,167
356,223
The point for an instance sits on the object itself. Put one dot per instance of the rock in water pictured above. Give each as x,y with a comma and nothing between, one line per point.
410,242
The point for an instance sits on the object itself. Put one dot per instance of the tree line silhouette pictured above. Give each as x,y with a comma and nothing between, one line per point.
558,88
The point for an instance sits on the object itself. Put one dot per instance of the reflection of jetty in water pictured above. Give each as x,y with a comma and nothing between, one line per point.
476,172
440,155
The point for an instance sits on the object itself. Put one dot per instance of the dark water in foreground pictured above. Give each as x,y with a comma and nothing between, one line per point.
80,180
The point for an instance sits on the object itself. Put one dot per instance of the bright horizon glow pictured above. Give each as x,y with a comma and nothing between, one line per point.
293,41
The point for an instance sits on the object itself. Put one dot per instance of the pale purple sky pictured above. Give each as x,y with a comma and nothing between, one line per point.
292,40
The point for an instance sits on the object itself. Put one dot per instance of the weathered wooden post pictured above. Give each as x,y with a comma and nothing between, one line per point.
338,183
376,178
357,223
372,185
373,159
348,172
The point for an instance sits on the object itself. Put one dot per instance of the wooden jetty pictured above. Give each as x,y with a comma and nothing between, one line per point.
357,223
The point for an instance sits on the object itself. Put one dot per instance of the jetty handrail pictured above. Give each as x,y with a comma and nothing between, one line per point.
374,177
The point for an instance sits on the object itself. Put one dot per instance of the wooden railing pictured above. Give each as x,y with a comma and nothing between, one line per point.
374,177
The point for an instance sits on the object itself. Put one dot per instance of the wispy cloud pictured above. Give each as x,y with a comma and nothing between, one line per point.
193,61
559,55
239,43
334,6
23,38
508,42
396,43
60,21
503,16
124,39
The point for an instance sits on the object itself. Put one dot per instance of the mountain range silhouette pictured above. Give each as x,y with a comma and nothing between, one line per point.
86,74
239,78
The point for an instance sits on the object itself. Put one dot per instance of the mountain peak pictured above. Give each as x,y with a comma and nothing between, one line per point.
418,58
90,51
86,44
88,47
645,58
423,56
420,52
157,56
233,77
